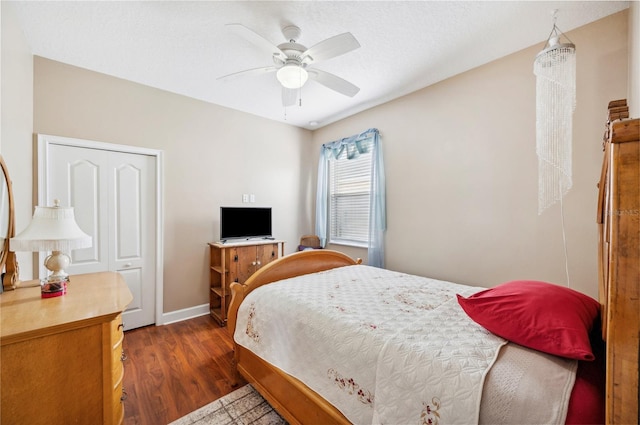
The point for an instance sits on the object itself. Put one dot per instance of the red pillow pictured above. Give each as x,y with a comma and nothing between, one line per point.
538,315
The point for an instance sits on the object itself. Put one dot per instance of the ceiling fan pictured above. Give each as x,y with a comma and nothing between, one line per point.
293,62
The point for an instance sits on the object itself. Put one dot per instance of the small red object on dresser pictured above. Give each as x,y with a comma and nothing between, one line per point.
53,289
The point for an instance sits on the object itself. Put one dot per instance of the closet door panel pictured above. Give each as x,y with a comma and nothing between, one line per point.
84,182
79,179
128,217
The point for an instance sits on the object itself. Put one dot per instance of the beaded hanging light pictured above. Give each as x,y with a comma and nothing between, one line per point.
555,71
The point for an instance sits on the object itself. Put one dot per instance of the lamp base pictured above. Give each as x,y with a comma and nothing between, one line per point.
55,285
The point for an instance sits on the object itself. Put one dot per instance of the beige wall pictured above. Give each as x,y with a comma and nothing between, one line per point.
17,117
212,155
634,59
461,169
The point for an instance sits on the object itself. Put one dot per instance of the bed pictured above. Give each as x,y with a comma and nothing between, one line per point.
361,354
379,366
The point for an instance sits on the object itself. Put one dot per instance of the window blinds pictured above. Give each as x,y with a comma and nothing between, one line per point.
349,198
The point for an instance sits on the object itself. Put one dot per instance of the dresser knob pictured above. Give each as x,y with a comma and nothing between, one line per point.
123,356
124,396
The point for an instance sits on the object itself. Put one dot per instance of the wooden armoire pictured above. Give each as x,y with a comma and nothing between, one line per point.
619,262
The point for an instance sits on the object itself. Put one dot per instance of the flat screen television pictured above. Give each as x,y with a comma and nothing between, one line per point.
245,222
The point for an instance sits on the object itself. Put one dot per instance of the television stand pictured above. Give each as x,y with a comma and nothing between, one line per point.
235,260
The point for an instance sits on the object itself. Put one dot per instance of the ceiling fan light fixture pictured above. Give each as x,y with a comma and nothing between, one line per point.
292,76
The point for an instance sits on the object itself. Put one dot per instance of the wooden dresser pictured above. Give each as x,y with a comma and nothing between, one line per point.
619,264
61,358
235,262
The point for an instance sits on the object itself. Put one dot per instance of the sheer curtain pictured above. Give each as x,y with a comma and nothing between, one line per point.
359,143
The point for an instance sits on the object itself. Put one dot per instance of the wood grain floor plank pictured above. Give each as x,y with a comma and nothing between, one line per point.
174,369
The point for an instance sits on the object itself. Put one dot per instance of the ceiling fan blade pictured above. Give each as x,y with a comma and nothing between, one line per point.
248,73
333,82
257,40
289,96
330,48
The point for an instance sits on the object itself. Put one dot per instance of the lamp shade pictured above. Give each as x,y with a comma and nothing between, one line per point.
52,229
292,76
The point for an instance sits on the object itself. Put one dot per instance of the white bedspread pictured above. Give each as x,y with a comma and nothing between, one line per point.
383,347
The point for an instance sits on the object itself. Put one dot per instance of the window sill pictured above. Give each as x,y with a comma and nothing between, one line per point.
349,243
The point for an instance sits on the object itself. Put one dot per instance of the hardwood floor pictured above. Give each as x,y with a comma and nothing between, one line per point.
174,369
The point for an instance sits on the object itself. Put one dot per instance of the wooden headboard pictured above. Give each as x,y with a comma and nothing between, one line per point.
619,262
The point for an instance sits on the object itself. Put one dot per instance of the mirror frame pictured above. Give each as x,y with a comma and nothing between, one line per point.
8,262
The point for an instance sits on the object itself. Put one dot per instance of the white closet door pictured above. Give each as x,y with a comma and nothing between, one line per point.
132,238
114,197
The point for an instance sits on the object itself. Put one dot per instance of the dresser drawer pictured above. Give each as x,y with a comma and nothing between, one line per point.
117,356
117,371
118,404
117,352
117,329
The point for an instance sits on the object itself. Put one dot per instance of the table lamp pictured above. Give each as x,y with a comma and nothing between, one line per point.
52,229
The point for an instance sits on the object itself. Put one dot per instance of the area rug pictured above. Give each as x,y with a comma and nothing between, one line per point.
244,406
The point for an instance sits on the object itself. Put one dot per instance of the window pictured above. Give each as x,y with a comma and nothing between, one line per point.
349,197
350,200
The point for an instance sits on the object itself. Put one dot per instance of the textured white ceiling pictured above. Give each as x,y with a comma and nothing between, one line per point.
183,46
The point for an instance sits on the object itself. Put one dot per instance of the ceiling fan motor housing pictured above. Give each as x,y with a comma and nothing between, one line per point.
291,33
292,50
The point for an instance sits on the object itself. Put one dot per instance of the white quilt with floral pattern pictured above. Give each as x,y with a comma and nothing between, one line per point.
383,347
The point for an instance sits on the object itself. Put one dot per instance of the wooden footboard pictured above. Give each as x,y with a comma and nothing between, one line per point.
291,398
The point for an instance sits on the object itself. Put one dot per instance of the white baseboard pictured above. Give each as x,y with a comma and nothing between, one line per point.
184,314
